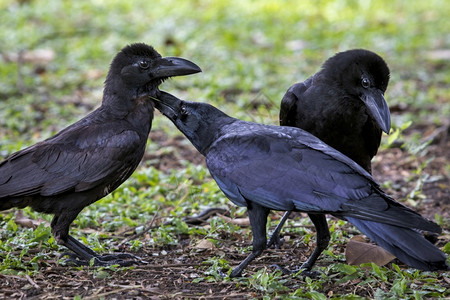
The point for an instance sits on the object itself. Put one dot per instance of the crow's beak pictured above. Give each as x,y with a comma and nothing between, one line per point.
378,109
173,66
168,105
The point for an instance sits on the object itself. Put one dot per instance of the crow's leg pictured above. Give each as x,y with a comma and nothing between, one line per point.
322,237
258,220
275,237
82,254
322,240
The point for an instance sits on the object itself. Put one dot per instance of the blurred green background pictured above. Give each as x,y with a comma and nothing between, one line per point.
250,53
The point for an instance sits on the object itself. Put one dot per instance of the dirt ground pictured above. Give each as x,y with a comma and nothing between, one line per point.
171,270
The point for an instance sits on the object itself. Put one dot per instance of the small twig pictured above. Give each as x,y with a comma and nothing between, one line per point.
299,226
12,276
439,135
99,296
243,222
159,266
202,217
225,296
32,282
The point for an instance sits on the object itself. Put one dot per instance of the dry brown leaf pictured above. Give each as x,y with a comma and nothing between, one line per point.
40,56
27,222
358,251
204,244
36,56
94,74
439,54
244,222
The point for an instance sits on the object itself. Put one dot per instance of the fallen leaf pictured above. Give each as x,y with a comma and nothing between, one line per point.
439,54
245,222
37,56
204,244
94,74
358,251
27,222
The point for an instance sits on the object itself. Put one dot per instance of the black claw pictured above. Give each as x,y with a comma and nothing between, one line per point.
311,274
236,273
284,270
123,263
73,260
304,273
276,242
121,259
119,256
83,255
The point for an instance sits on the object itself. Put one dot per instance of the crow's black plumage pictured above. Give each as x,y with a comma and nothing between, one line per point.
87,160
266,167
343,105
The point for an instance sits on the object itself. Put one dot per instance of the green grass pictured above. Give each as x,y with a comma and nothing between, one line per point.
250,53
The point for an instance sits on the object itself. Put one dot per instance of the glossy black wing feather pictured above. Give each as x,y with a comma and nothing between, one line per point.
285,168
79,161
291,103
267,167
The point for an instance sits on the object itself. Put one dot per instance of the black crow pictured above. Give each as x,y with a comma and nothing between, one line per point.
266,167
92,157
344,106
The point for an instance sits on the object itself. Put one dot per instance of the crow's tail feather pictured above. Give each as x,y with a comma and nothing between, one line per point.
406,244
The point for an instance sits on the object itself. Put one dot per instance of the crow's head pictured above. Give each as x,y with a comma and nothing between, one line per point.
138,70
199,122
365,75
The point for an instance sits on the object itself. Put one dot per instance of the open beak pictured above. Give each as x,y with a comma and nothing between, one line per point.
378,109
173,66
168,105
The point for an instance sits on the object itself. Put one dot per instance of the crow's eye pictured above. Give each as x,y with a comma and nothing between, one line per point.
144,65
365,82
183,110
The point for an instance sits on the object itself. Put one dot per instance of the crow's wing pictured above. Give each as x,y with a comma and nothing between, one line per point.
291,101
77,159
276,169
